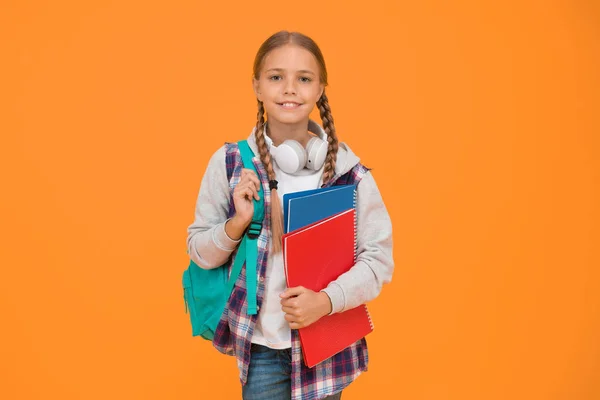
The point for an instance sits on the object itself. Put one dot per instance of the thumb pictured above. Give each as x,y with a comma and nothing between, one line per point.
290,292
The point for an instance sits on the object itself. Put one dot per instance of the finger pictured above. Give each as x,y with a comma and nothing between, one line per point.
250,190
295,291
251,185
291,303
294,325
254,179
254,192
292,318
249,193
244,187
248,174
290,310
239,188
244,193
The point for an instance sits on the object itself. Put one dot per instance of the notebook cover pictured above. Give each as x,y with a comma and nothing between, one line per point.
313,257
306,207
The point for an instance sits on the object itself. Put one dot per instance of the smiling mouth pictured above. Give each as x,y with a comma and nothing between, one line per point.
289,105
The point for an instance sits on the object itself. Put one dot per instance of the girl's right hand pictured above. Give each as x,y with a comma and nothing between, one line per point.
243,194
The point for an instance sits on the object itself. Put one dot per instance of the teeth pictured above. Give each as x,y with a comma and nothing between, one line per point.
289,105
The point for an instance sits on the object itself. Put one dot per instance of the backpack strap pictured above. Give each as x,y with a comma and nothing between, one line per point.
248,248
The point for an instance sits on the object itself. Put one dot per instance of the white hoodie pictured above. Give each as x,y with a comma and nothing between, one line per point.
209,246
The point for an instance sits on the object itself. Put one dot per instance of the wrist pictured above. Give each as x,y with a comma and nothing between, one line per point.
326,302
235,227
241,222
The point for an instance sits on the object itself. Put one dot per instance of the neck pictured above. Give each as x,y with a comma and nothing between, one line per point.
279,132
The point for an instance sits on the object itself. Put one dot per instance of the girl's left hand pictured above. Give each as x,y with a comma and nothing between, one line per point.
303,307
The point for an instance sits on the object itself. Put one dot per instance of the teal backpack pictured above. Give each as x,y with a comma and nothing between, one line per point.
206,291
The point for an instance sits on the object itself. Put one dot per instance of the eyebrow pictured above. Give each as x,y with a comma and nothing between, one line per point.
305,71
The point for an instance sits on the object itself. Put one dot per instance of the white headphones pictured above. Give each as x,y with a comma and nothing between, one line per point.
291,157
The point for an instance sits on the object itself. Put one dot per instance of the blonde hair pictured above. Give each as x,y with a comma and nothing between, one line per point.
277,40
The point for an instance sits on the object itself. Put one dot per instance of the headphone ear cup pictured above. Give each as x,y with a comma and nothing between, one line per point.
290,156
316,151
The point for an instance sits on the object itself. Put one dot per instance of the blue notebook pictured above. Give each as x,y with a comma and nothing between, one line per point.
306,207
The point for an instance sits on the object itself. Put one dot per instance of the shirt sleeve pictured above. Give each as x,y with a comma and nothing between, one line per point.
374,262
207,242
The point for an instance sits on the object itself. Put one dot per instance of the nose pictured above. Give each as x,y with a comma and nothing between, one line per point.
290,87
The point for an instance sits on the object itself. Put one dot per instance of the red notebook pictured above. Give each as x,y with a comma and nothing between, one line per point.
313,257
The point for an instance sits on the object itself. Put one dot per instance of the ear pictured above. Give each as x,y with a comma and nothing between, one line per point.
322,87
256,89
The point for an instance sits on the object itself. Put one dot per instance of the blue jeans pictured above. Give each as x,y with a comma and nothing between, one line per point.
269,375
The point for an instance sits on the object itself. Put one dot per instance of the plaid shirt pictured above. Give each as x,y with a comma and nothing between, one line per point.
234,331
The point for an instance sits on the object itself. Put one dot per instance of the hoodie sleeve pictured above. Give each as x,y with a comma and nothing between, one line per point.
374,262
207,243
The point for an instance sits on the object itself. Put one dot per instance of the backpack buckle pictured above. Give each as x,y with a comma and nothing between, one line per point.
254,229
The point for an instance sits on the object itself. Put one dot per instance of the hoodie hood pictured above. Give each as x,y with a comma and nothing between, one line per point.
346,159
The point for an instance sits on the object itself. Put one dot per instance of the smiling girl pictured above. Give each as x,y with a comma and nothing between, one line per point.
289,79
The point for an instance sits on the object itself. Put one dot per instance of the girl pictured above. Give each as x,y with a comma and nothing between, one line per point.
289,79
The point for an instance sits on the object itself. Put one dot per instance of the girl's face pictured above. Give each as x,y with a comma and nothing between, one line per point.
289,84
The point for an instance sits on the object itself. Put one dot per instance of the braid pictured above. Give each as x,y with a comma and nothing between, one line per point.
265,158
327,118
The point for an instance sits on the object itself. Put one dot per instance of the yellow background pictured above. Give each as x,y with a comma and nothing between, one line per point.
479,122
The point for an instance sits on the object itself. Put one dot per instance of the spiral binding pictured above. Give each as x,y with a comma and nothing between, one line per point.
369,316
356,248
355,224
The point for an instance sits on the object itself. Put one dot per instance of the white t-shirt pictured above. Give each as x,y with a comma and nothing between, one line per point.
271,329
